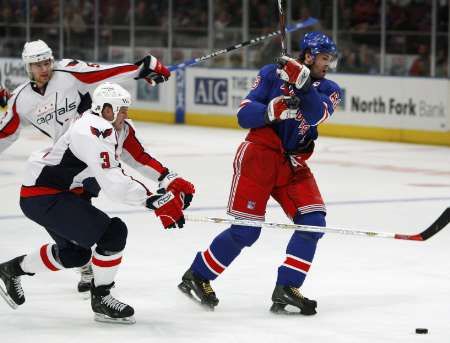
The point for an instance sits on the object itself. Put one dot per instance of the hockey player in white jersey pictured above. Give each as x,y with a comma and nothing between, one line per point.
50,196
58,92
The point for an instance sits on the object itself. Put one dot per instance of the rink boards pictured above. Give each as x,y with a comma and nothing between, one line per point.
403,109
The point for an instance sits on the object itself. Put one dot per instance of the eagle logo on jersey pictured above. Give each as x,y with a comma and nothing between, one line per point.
96,132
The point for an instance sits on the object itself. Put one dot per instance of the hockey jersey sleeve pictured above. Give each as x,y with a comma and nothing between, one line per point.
97,149
89,74
9,125
252,110
318,103
135,155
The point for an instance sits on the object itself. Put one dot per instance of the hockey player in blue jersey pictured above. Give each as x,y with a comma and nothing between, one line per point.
287,102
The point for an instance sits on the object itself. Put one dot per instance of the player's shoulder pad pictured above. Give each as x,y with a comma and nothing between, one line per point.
329,87
18,90
94,127
269,71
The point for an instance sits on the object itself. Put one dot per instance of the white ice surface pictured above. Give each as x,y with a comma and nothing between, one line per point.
368,289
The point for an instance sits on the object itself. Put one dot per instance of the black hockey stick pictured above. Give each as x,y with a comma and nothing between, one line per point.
291,28
282,23
440,223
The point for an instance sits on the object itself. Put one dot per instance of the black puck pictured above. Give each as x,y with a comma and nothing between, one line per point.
421,330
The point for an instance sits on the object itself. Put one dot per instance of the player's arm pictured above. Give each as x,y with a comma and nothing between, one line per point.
149,68
252,110
135,155
9,123
315,105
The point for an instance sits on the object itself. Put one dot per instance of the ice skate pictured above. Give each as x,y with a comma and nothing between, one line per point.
12,291
199,290
108,309
84,285
283,296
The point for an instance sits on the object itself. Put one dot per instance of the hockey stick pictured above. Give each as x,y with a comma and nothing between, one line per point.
440,223
282,17
291,28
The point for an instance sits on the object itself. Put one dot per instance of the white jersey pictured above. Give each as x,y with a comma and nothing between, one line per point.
65,96
91,148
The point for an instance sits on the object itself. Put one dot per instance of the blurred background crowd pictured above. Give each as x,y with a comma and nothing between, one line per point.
389,37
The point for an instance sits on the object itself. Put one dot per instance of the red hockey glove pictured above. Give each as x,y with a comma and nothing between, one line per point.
172,182
168,208
298,158
4,96
293,72
152,70
281,108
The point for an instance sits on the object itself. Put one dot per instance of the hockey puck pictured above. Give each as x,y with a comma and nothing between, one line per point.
421,330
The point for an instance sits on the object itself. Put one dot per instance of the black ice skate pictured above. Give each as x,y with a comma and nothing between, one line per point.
108,309
84,285
10,273
286,295
199,290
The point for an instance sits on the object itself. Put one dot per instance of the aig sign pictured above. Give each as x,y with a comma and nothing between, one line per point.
211,91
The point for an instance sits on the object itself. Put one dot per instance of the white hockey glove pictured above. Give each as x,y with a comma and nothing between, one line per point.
152,70
281,108
293,72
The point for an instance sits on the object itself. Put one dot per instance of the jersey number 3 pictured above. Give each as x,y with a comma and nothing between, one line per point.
105,157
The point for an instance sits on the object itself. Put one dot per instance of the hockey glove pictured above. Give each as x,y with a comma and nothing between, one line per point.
152,70
281,108
172,182
168,208
293,72
4,96
91,188
299,157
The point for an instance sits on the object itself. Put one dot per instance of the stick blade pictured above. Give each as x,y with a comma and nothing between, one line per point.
440,223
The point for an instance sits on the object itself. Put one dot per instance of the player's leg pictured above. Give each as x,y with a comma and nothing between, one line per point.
49,257
301,200
251,186
74,238
106,260
91,190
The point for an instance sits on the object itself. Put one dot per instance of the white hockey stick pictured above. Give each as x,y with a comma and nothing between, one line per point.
434,228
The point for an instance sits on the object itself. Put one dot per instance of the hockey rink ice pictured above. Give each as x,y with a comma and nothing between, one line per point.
368,289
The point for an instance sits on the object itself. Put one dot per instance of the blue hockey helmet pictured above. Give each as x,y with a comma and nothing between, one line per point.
318,42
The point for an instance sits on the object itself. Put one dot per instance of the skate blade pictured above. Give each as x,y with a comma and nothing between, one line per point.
191,295
102,318
280,309
8,299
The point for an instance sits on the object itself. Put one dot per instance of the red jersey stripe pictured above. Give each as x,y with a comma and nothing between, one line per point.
135,148
45,259
106,264
214,266
100,75
297,264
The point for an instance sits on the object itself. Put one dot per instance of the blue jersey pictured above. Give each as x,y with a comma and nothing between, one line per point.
317,104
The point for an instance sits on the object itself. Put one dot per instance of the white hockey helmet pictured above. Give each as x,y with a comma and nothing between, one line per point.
35,51
110,94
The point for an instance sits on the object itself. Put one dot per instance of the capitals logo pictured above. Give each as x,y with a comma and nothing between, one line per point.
96,132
